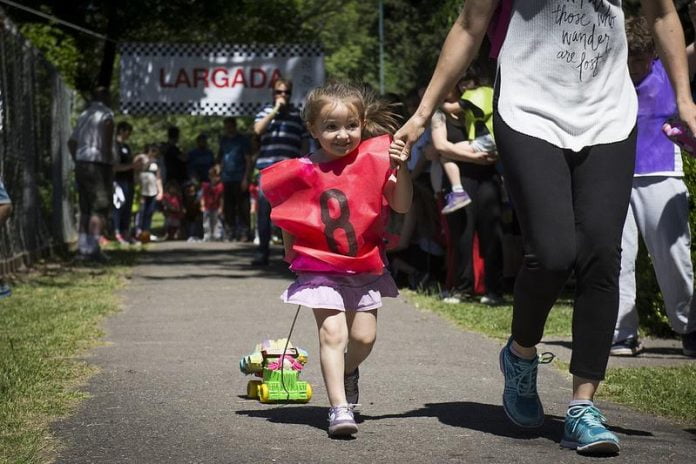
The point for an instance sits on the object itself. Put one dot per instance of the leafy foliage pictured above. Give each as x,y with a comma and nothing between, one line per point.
59,48
348,30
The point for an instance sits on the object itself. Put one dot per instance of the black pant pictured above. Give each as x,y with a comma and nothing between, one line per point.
236,210
571,208
122,216
264,225
483,216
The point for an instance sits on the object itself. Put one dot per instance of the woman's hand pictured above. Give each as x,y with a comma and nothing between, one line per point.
409,134
483,158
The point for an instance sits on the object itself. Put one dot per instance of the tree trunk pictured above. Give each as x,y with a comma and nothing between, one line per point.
106,69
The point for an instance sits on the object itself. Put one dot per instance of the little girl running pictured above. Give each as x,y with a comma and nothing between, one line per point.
333,208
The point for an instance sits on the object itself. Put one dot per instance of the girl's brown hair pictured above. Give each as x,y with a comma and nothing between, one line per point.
376,115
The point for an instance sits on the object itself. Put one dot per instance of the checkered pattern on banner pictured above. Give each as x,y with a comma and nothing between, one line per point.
192,108
233,50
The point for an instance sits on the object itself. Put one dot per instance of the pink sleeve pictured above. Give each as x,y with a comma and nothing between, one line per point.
497,29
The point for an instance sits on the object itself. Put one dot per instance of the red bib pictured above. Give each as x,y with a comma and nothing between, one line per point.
335,209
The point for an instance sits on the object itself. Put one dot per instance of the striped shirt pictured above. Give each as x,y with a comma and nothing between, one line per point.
283,138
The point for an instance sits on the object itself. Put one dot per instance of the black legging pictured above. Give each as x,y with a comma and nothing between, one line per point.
571,208
482,217
236,209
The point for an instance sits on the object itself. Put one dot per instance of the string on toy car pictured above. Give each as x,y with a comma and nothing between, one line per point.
282,357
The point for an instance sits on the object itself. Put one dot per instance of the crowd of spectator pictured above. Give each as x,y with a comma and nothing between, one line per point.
460,239
454,246
202,196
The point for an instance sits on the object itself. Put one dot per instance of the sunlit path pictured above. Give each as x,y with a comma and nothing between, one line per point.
170,389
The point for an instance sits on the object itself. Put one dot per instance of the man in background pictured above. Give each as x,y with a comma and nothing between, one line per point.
236,163
282,136
91,146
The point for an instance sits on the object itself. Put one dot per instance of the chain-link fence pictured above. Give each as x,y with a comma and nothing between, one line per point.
35,109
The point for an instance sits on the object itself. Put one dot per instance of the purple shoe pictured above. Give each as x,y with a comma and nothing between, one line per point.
456,201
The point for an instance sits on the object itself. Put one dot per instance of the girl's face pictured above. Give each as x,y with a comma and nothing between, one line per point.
338,129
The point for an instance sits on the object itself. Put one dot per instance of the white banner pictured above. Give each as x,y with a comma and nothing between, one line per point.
213,79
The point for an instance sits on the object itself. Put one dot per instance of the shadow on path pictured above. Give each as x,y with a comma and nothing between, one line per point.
314,416
224,262
486,418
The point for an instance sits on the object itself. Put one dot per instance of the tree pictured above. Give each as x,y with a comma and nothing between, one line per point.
347,30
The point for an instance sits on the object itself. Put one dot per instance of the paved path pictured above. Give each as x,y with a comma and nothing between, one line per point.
170,391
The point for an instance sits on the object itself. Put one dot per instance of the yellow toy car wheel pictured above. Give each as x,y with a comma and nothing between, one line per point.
253,388
309,392
263,393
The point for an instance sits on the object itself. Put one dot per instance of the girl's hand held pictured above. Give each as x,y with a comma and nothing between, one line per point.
398,154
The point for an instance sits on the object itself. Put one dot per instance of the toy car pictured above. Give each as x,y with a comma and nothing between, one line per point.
279,374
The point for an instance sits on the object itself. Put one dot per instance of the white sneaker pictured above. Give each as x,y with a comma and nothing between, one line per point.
492,300
341,421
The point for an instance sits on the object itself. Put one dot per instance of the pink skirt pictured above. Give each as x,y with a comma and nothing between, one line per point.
357,292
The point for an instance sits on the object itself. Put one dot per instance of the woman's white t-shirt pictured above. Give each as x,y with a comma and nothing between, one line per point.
563,73
148,179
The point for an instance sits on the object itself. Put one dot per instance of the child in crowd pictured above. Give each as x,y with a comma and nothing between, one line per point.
472,104
334,230
173,208
193,217
5,211
150,190
212,204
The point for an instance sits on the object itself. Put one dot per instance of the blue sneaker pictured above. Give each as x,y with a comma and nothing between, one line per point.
520,398
586,433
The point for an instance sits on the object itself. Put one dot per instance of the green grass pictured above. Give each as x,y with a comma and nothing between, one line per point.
50,319
666,391
492,321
